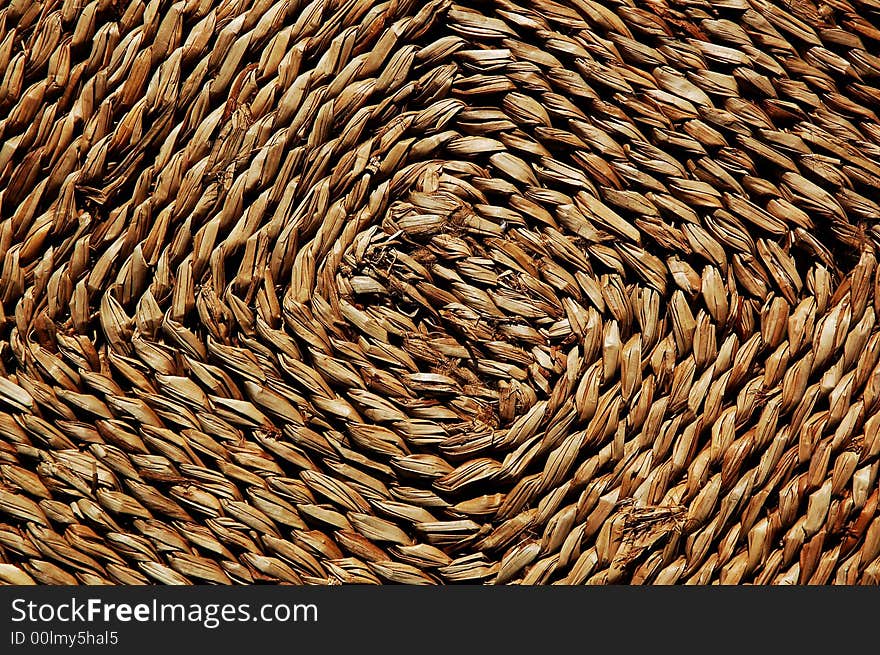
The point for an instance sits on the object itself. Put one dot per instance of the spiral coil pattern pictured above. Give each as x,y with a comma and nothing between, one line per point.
347,291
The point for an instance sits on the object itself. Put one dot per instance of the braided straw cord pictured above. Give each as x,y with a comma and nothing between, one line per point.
348,291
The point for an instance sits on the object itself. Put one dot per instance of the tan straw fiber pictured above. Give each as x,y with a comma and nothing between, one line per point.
344,291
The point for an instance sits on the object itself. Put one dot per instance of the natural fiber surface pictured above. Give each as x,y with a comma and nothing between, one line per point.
581,291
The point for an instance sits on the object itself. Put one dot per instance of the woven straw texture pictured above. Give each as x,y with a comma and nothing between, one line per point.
346,291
